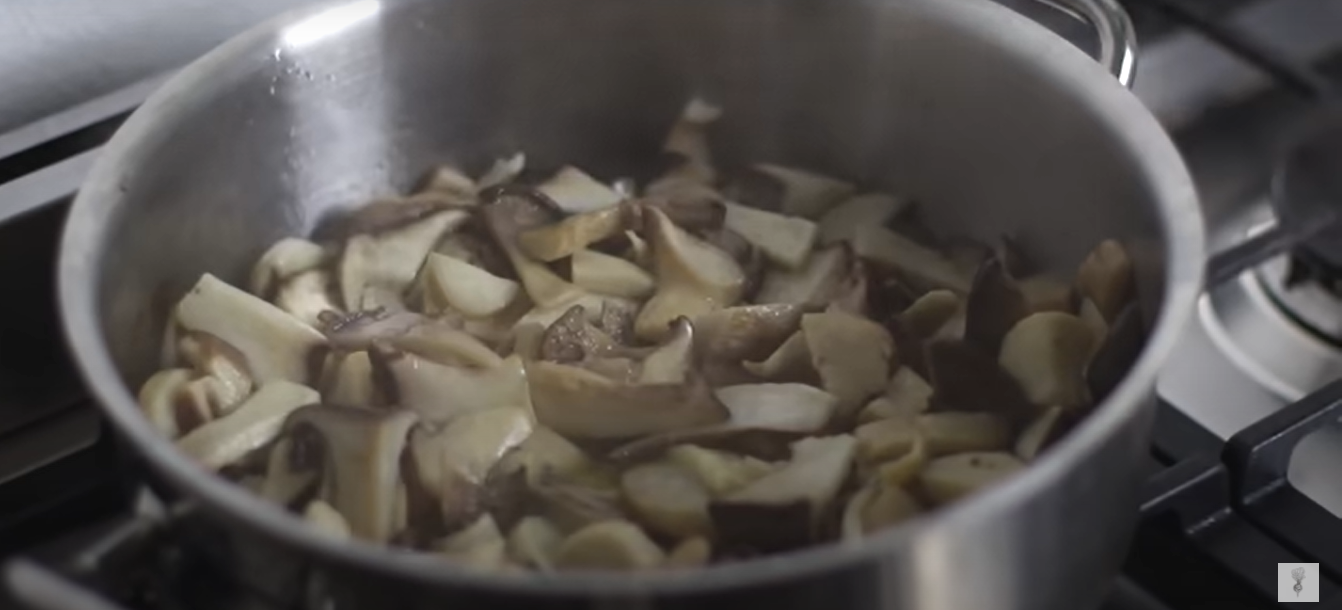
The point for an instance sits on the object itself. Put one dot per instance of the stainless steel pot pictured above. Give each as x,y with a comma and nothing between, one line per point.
991,121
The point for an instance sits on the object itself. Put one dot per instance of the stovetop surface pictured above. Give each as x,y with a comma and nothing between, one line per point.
1229,497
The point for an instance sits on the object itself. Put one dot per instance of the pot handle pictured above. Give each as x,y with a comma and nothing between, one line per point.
1118,40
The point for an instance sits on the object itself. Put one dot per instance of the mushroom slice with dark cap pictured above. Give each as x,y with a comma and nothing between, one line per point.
786,240
994,305
578,403
693,278
745,332
255,423
964,378
852,355
362,455
423,336
788,190
912,260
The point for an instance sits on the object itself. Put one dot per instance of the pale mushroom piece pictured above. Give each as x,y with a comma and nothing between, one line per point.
1047,354
453,463
306,295
574,506
284,259
429,338
439,393
450,180
474,292
950,478
503,170
1106,277
527,339
202,400
805,193
214,358
994,305
510,212
285,482
606,274
901,471
158,402
667,499
256,422
639,252
1036,436
581,404
885,247
552,242
1094,320
907,395
790,362
325,519
745,332
670,362
688,137
351,381
813,285
390,260
575,192
546,452
931,312
783,407
362,452
851,354
593,304
947,432
693,277
693,552
609,545
885,439
720,472
275,344
479,545
868,209
786,240
1047,293
875,507
534,541
853,294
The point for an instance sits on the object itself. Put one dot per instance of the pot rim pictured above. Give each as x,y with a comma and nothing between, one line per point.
1129,123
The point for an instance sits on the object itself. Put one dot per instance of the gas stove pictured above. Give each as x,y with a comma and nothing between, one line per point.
1242,465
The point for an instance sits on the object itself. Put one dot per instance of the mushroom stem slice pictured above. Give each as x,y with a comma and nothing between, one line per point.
575,192
670,362
474,292
929,267
783,407
930,313
275,344
690,553
480,545
851,354
439,393
720,472
786,240
390,261
882,440
907,395
1106,277
326,520
534,542
553,242
667,498
815,474
869,209
307,295
804,193
694,277
211,356
790,362
286,258
454,463
431,339
875,507
610,545
812,286
256,422
950,478
1047,354
747,332
158,403
580,404
606,274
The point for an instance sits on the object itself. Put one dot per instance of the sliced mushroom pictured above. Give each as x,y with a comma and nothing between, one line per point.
389,261
158,402
950,478
288,479
790,362
1037,436
1115,357
901,471
786,240
804,193
479,545
351,381
212,357
668,499
466,288
670,362
720,472
200,401
575,192
610,545
690,553
507,214
546,453
853,293
930,313
868,209
875,507
749,332
1106,277
534,542
450,181
573,506
581,404
965,378
994,305
503,171
693,278
906,395
882,440
453,463
689,204
851,354
606,274
326,520
783,407
275,344
948,432
1047,293
811,286
439,393
1047,353
573,338
639,253
688,138
422,336
286,258
552,242
362,451
307,295
913,261
255,422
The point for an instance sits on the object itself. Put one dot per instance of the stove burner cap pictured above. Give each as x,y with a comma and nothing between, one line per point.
1307,194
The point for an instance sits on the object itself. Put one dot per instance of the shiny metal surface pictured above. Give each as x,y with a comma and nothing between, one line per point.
331,106
1117,39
